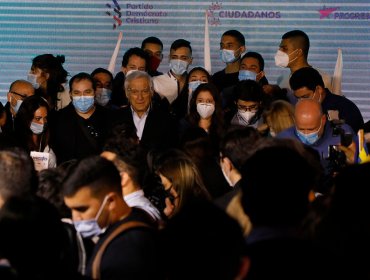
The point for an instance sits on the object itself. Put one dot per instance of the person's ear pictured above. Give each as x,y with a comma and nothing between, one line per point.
9,96
242,49
323,120
226,162
46,75
260,75
124,179
112,200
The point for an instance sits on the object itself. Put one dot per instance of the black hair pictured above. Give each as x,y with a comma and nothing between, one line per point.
179,43
52,65
82,76
96,172
23,121
257,56
249,90
306,77
301,37
138,52
101,70
151,40
237,35
236,144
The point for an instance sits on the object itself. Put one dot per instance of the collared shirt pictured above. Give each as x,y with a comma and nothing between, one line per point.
137,199
139,122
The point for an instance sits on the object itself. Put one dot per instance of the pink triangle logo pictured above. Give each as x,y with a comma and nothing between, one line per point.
326,12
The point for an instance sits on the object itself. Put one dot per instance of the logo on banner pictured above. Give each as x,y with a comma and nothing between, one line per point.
334,13
216,13
143,13
115,13
213,13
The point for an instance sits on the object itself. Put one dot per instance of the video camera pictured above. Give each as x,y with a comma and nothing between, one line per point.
337,158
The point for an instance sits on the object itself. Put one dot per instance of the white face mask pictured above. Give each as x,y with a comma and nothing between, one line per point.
246,116
102,96
282,59
205,110
178,66
32,78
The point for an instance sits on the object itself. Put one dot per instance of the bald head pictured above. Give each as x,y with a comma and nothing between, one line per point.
18,91
308,115
22,87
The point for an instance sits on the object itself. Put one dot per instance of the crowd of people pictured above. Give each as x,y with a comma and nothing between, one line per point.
185,174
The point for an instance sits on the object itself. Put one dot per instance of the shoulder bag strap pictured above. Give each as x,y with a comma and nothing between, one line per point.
99,254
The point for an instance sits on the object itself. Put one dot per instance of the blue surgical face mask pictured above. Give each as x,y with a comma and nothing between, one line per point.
178,66
193,85
247,75
103,96
310,138
228,56
90,228
83,103
37,128
32,78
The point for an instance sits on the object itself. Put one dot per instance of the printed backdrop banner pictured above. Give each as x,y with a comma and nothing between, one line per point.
86,32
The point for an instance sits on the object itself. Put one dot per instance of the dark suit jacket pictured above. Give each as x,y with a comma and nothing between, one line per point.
68,139
158,133
9,124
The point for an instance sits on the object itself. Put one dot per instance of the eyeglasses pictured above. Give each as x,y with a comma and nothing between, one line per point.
251,108
136,92
23,96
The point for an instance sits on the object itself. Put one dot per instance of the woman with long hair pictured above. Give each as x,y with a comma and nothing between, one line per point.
49,79
31,127
180,179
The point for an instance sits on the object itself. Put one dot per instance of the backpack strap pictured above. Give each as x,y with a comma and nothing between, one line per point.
104,245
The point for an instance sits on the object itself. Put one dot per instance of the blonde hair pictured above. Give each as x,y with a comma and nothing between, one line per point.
279,116
182,172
